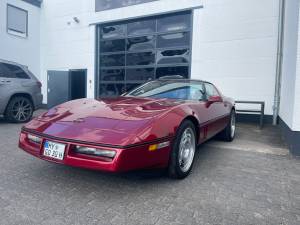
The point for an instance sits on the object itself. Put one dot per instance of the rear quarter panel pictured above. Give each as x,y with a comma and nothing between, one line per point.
30,86
7,91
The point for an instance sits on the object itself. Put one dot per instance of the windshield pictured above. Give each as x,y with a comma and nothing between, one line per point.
187,90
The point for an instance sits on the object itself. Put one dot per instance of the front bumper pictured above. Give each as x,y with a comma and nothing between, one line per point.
137,157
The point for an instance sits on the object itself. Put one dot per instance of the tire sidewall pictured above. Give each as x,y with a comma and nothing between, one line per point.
174,168
228,130
232,114
10,105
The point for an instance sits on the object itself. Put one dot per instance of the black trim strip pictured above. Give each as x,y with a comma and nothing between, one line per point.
93,143
214,120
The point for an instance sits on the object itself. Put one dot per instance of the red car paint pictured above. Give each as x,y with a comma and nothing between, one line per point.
127,125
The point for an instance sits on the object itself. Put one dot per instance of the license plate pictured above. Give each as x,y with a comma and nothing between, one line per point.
54,150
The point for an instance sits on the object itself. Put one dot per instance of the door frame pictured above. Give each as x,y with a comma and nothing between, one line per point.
70,80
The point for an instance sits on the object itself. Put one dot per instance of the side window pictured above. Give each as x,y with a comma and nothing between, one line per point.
197,92
17,71
211,90
12,71
5,71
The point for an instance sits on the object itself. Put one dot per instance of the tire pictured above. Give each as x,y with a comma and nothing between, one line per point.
19,110
180,155
228,133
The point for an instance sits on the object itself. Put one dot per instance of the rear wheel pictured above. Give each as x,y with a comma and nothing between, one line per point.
183,151
19,110
228,133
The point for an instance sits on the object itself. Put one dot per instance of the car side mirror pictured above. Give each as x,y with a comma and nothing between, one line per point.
214,98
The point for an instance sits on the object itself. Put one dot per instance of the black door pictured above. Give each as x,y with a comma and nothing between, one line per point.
77,84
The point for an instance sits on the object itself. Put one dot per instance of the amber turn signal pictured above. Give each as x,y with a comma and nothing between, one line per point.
155,147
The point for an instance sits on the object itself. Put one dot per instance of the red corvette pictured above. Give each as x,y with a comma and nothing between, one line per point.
156,125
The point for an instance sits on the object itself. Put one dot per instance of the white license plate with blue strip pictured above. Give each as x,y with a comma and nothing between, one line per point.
54,150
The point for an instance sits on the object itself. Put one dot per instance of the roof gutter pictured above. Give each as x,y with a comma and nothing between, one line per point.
280,39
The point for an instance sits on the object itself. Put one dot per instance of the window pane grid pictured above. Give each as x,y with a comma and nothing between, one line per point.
143,57
144,66
146,50
146,34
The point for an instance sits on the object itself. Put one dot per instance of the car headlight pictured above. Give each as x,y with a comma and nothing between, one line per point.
95,151
34,138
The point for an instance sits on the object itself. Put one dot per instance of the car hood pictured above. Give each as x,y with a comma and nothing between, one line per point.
110,121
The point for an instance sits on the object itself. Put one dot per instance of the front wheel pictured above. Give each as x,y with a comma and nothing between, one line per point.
228,133
183,151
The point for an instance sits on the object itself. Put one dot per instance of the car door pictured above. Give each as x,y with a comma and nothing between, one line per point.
216,109
197,93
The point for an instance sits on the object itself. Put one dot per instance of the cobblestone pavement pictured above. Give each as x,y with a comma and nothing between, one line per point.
226,186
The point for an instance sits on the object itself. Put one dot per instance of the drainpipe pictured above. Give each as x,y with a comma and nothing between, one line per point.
280,37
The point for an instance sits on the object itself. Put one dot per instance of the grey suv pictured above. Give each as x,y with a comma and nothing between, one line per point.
20,92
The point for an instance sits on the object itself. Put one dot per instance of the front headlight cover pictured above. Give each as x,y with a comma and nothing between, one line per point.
95,151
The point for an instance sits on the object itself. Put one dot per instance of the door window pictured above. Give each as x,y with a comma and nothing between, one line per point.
115,31
174,23
112,45
5,72
140,43
174,70
211,90
173,40
142,27
197,92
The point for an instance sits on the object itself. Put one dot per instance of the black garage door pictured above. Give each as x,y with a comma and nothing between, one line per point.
134,51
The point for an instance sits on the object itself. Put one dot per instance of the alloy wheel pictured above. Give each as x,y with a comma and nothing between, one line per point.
186,149
22,110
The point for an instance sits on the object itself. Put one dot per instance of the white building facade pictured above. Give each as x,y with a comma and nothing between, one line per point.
122,43
24,47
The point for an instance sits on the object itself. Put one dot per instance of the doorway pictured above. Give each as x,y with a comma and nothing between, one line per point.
78,82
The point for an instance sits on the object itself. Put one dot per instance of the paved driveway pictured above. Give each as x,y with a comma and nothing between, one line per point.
233,184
